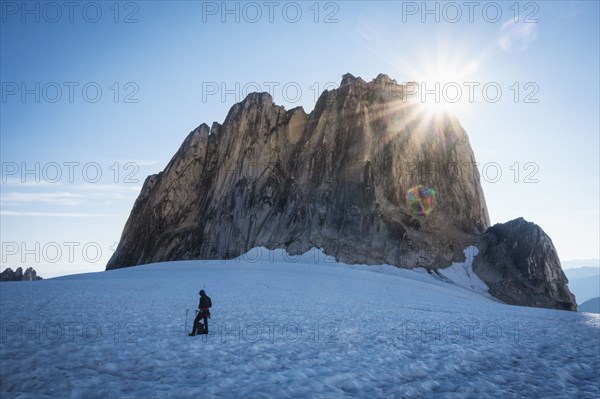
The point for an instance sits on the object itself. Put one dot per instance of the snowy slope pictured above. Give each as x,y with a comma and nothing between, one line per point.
288,327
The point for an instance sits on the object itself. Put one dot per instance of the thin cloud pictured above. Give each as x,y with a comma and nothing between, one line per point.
139,162
59,214
61,198
81,194
126,187
15,181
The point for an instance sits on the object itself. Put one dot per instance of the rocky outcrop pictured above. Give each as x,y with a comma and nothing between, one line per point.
9,275
520,265
366,176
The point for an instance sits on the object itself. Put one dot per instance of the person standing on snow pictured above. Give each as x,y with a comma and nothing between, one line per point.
203,312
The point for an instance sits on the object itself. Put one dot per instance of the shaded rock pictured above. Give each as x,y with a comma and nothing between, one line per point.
9,275
520,265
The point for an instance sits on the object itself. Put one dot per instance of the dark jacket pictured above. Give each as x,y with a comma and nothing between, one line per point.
205,303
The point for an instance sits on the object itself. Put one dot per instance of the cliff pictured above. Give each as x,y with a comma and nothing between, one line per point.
368,176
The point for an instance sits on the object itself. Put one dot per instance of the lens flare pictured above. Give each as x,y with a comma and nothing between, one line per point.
421,199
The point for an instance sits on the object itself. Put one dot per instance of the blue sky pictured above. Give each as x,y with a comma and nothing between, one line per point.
136,78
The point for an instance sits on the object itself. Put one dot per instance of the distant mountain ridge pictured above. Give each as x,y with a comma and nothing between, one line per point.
358,177
584,282
580,263
590,306
584,271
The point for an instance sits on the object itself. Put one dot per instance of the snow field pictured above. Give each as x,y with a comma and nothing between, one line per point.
288,327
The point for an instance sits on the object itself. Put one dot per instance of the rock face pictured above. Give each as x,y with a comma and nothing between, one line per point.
335,179
520,265
367,176
9,275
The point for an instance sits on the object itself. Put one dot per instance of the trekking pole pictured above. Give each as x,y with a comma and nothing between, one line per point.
186,313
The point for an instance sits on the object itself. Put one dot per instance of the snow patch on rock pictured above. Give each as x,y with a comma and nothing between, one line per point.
462,274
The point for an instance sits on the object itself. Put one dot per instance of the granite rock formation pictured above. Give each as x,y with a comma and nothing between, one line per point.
368,176
519,263
335,179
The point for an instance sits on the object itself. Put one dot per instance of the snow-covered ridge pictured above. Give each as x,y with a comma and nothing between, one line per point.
459,273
